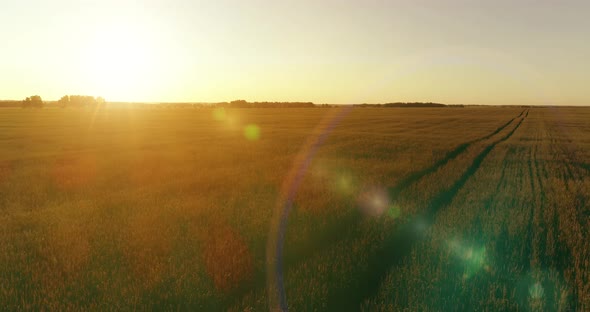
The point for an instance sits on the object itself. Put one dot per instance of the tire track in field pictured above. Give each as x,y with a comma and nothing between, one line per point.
560,256
563,257
560,153
399,244
530,228
444,198
460,149
550,252
542,176
488,203
532,247
567,152
334,232
503,174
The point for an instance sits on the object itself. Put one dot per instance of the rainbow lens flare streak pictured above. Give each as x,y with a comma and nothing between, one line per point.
275,275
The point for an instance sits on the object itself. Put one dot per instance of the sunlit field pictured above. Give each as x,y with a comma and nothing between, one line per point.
417,209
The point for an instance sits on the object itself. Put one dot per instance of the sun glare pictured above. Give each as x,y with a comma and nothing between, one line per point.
120,62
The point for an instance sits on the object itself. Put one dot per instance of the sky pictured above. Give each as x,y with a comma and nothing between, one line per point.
458,52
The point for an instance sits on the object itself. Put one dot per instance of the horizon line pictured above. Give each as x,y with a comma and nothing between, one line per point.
318,104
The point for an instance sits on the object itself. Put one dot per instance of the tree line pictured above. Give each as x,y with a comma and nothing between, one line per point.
409,104
246,104
35,101
80,101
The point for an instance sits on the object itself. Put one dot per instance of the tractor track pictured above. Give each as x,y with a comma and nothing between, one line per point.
399,244
460,149
399,241
333,233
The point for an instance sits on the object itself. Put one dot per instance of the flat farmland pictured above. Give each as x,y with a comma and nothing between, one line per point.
389,209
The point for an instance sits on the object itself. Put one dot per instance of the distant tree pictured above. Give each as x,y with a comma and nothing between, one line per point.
245,104
64,101
239,102
27,102
33,101
80,100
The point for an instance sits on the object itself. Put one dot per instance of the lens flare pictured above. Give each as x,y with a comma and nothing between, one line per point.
252,132
219,114
472,258
394,211
277,298
374,202
344,183
421,225
536,291
340,180
544,290
474,261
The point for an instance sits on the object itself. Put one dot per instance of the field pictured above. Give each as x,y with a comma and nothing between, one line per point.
391,209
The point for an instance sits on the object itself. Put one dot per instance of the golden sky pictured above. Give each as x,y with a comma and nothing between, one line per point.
502,52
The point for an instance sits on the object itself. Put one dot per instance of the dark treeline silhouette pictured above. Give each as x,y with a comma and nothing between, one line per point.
32,101
85,100
413,104
245,104
409,104
79,101
178,105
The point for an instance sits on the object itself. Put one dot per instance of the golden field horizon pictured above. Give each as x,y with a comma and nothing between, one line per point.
207,103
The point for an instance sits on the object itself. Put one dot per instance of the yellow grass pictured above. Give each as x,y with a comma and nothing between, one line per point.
416,209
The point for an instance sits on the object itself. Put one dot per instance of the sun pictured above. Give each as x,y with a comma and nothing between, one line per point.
120,62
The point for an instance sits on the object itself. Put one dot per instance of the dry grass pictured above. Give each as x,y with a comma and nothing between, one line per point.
401,209
227,258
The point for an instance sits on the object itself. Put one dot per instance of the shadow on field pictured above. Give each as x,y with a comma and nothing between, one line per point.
393,249
583,166
399,244
329,234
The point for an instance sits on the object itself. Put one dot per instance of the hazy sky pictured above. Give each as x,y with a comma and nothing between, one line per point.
500,52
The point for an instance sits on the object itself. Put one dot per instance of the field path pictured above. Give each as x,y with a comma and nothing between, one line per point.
398,245
461,148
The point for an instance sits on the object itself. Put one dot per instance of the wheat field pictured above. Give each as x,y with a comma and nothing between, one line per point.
396,209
